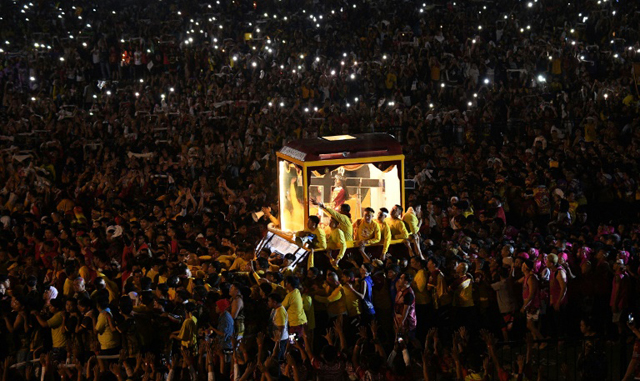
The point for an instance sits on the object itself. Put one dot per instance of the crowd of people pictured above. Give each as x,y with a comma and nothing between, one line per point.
137,138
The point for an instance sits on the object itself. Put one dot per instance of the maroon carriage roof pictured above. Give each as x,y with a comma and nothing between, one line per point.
343,146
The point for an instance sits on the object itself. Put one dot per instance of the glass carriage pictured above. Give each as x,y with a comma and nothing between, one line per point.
363,170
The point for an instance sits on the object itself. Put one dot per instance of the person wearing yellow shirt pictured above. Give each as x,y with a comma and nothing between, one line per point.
108,336
101,284
440,296
56,323
396,225
398,228
278,322
590,134
343,218
319,241
332,296
294,305
351,299
188,334
309,310
385,232
413,221
423,294
366,232
462,290
337,242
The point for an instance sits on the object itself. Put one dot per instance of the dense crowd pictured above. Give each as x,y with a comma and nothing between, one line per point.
138,137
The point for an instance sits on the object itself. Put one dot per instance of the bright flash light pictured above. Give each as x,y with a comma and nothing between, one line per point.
530,5
32,79
392,103
333,72
486,81
254,64
141,80
384,57
137,94
469,104
541,78
442,85
108,92
606,96
171,89
353,76
431,105
281,104
475,95
301,56
235,58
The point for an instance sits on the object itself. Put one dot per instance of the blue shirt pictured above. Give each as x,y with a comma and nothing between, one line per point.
368,296
225,325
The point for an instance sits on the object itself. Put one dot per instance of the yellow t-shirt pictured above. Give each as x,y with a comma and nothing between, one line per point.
336,241
368,232
385,234
419,286
108,339
556,66
391,80
295,308
412,222
397,228
67,289
344,223
151,274
435,72
334,300
57,330
320,240
238,264
226,260
280,319
589,132
309,311
352,302
188,332
463,295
